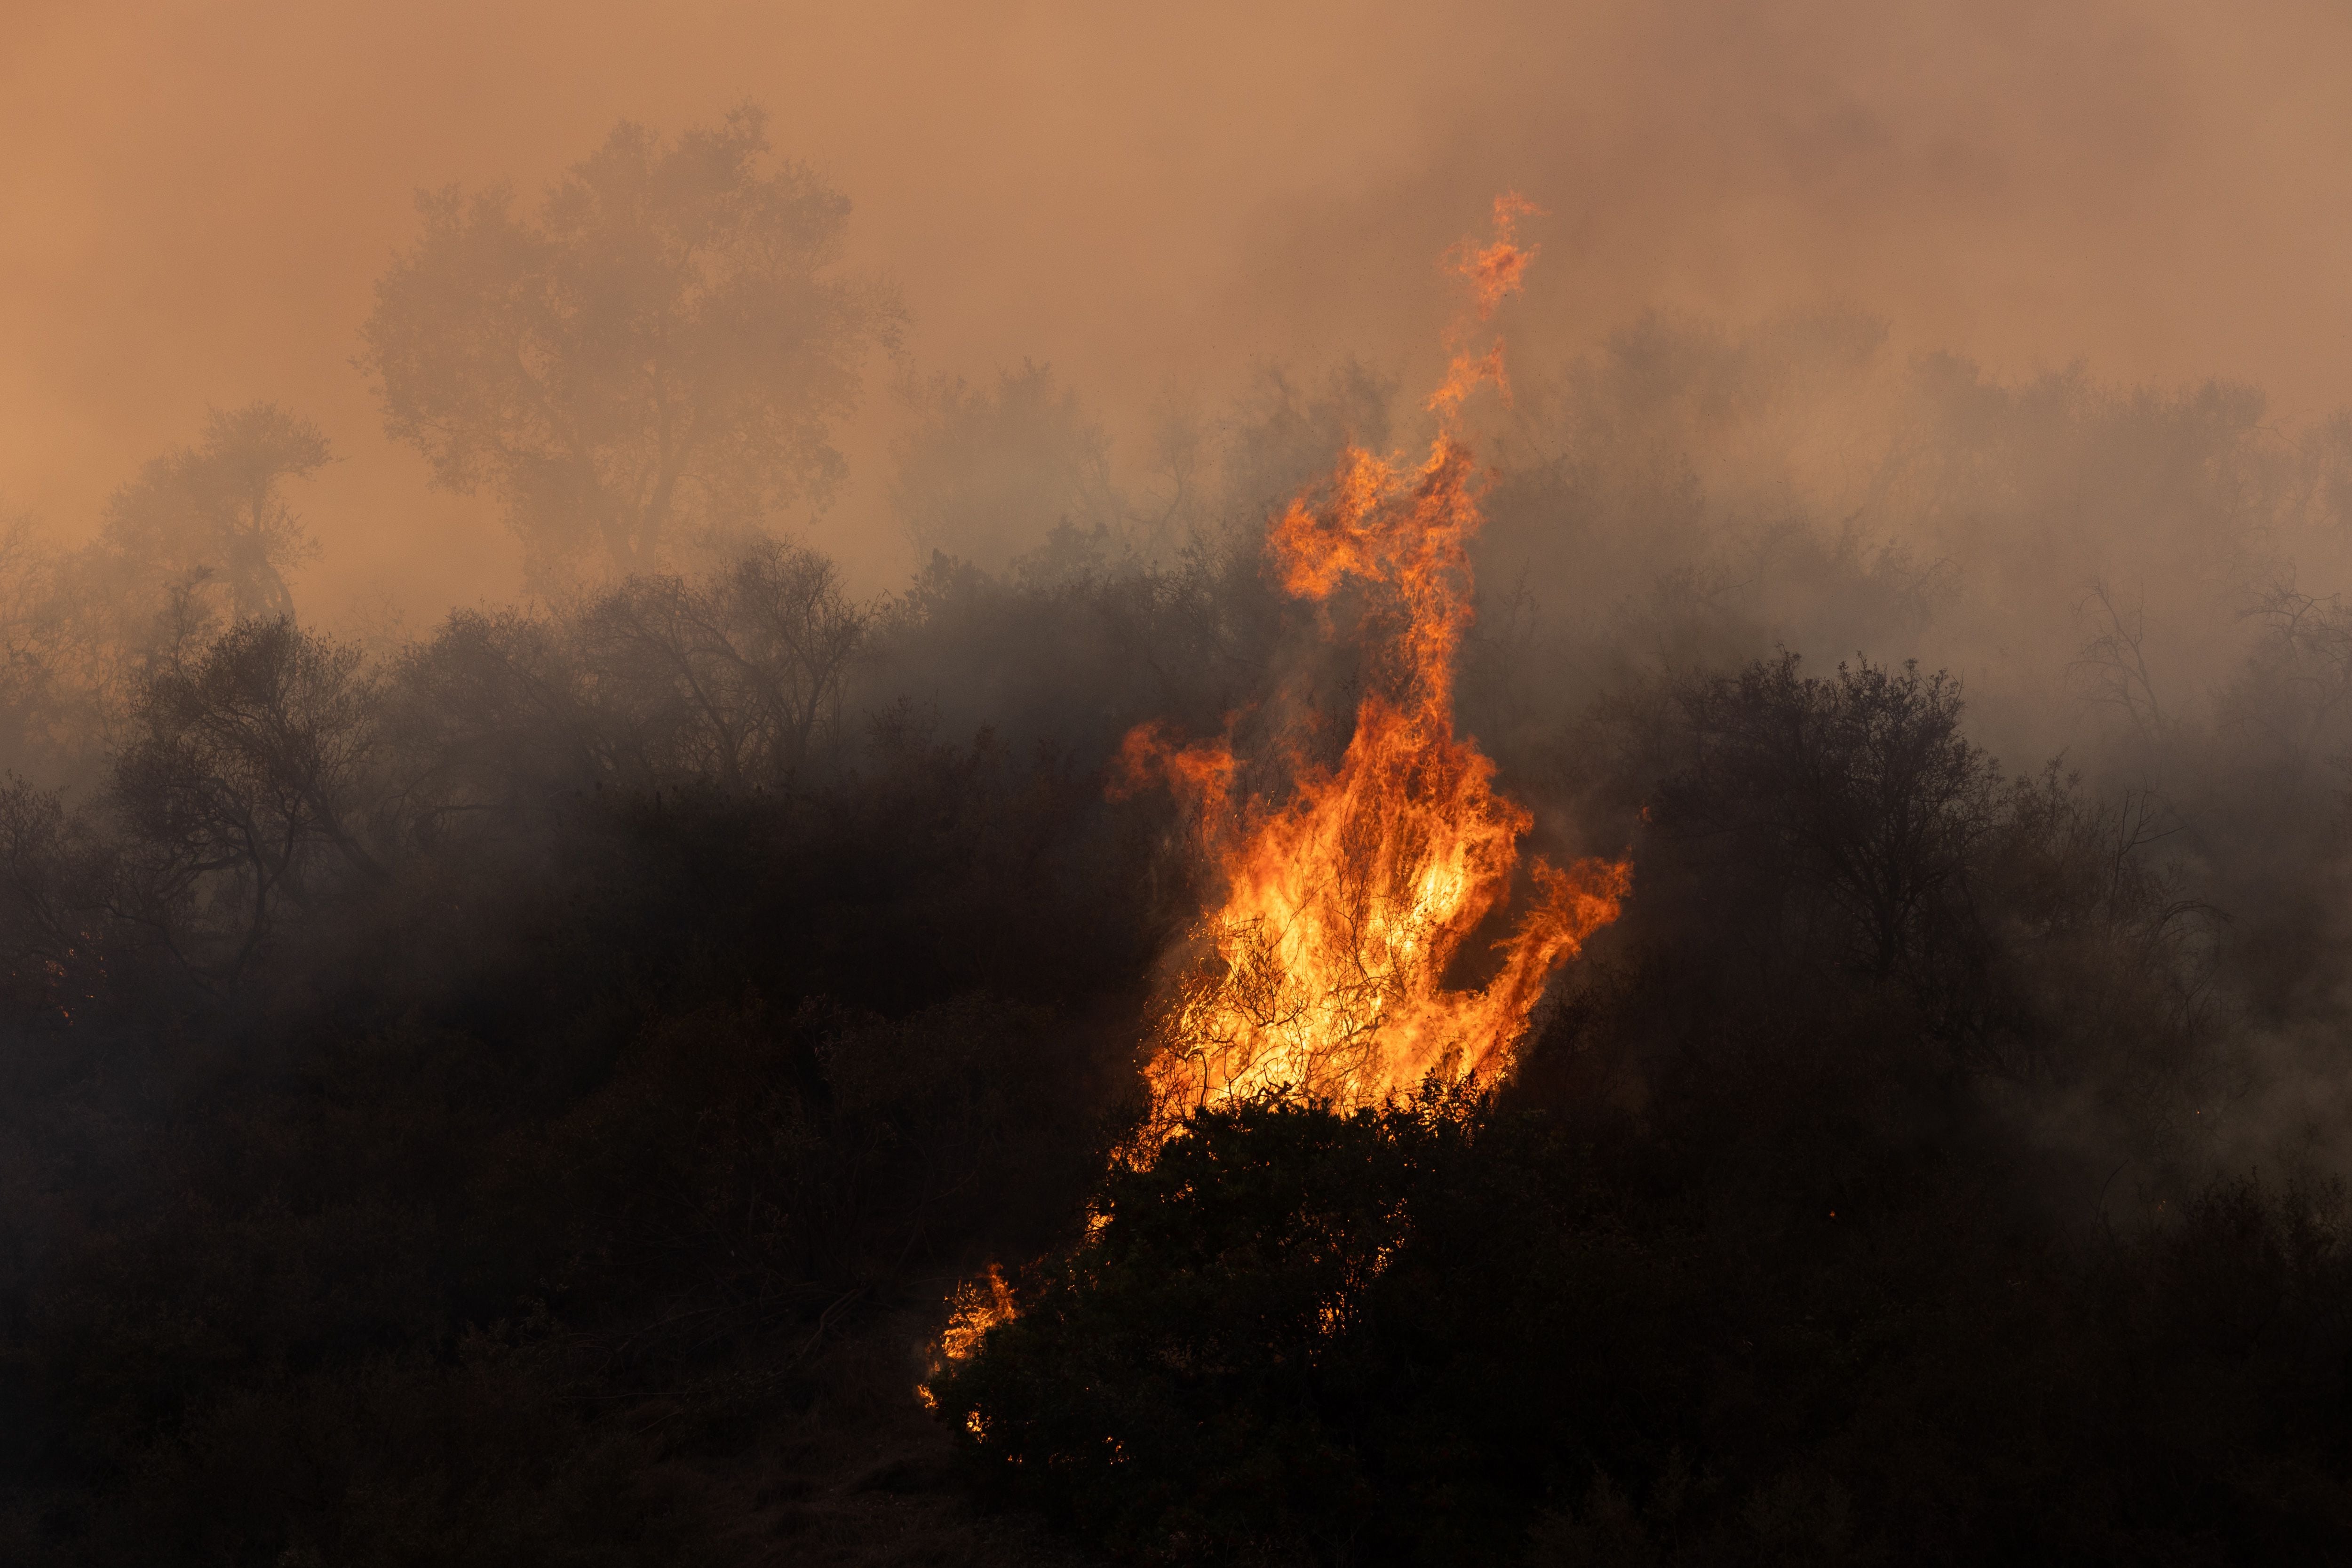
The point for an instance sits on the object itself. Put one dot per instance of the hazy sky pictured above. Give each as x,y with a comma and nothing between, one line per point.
199,196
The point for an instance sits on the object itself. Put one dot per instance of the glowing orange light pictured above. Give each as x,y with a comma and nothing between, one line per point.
1321,973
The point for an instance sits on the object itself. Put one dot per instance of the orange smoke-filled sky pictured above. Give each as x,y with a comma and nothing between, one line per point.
200,196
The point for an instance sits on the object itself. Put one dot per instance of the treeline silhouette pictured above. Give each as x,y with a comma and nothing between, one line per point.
529,1097
442,1085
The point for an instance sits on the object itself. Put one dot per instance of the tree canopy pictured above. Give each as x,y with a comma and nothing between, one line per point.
661,351
218,508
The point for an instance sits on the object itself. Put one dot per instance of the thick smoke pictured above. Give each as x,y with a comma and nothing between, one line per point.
202,207
572,585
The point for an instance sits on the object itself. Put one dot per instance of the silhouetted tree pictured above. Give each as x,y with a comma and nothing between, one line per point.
217,509
2288,703
249,758
1860,787
2114,663
730,676
663,347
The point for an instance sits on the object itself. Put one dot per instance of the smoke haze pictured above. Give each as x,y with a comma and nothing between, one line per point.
942,803
202,196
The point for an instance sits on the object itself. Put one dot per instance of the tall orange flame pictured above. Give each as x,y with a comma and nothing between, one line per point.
1322,974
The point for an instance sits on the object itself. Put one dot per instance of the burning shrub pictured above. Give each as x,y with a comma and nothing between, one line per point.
1445,1331
1338,1336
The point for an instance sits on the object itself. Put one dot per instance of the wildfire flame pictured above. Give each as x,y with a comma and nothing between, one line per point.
1494,272
977,1306
1322,974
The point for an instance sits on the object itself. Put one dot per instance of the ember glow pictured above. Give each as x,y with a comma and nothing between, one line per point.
1321,974
977,1306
